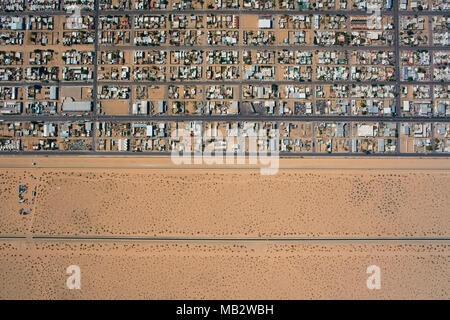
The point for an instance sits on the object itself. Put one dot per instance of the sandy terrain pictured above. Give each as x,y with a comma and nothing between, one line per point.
223,271
115,107
309,198
232,203
11,221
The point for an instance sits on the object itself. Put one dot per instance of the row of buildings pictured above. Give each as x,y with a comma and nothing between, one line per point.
285,137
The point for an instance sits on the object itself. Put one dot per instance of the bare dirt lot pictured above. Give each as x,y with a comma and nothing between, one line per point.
180,202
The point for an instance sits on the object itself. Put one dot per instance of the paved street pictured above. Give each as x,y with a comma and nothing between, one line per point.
220,11
124,118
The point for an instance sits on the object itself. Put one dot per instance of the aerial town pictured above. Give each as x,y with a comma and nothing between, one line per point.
329,77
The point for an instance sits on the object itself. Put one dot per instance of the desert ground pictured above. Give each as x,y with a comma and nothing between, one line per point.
145,228
117,270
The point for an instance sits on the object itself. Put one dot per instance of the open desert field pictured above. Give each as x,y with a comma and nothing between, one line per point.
144,228
227,203
118,270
